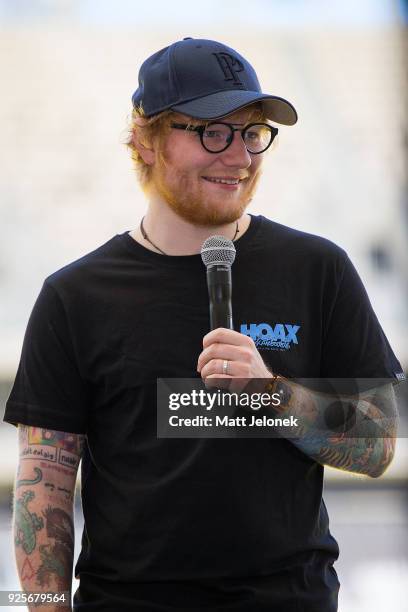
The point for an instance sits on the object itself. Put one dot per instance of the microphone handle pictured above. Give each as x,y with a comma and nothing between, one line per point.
219,292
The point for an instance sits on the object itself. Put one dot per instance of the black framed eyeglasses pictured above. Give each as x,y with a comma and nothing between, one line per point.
217,136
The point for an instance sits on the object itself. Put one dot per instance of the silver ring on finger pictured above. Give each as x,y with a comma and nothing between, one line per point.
225,367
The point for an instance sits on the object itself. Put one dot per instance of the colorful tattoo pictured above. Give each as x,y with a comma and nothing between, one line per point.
57,558
67,441
353,434
55,447
27,523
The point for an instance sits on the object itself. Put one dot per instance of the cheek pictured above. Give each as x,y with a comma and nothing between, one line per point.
185,157
256,164
183,166
189,173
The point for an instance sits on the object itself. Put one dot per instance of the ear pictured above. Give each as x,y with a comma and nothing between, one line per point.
146,153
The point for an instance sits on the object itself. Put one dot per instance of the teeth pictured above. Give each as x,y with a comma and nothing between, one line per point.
225,181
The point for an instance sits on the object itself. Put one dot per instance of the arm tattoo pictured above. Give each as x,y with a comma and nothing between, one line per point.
56,556
27,523
356,434
30,482
55,447
55,549
43,513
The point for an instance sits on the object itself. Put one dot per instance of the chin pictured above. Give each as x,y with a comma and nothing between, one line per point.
206,217
195,207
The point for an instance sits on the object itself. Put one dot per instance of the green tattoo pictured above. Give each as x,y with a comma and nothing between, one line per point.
28,482
27,523
49,565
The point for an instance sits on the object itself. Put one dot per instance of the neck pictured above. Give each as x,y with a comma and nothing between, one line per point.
175,236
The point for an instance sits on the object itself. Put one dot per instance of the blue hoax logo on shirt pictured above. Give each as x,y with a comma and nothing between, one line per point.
273,337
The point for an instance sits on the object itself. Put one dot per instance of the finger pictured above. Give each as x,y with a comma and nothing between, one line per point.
223,351
216,366
226,336
217,352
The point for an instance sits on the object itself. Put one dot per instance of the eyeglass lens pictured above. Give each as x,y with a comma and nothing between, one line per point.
217,136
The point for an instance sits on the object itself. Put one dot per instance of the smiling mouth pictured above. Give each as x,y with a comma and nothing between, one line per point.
223,181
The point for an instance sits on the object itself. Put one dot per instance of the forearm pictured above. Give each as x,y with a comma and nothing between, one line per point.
356,434
44,544
43,511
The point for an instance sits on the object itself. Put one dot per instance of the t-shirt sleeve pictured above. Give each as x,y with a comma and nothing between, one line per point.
48,390
354,344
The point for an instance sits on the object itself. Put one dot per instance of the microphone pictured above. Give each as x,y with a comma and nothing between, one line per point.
218,254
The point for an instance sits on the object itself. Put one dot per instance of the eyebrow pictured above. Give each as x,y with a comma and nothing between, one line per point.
222,121
211,121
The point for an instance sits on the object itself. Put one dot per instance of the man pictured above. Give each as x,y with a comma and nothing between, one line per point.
194,524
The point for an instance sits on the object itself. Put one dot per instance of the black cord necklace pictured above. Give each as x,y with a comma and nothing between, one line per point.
146,237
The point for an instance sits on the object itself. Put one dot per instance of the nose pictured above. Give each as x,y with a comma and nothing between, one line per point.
236,154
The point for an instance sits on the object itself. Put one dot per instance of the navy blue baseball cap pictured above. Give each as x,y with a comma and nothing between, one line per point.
205,80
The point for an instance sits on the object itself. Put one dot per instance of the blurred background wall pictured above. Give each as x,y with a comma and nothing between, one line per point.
68,69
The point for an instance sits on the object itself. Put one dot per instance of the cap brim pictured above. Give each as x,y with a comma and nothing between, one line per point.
222,103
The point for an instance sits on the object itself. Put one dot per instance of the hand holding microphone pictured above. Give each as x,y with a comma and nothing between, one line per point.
227,354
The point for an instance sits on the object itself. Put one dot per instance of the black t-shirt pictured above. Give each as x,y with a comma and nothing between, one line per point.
209,524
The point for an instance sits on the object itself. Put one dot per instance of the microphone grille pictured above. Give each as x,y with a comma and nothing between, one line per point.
218,250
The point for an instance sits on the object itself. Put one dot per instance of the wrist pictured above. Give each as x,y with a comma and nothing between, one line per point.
279,387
